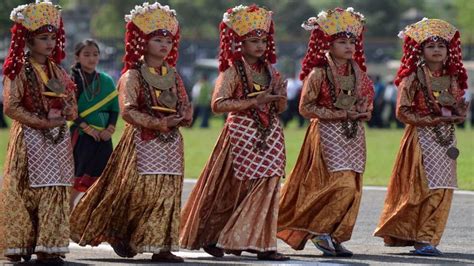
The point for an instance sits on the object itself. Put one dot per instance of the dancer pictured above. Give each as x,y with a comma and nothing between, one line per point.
39,97
431,83
135,203
320,200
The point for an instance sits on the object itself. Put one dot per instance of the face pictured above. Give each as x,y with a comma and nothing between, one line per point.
343,48
88,58
43,44
159,46
435,52
254,47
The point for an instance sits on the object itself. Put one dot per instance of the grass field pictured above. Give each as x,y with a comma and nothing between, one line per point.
382,147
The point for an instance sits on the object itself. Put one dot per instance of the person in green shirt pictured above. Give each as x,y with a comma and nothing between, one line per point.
98,112
201,93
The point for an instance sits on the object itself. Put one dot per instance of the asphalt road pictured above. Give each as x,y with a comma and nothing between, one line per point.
457,243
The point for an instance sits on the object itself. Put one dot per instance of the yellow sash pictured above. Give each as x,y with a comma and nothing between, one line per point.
98,105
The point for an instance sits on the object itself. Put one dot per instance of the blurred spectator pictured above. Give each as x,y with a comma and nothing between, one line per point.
293,93
389,106
201,98
3,123
468,97
379,88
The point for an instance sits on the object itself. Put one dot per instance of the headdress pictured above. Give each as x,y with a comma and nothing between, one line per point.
240,23
325,28
415,35
30,20
145,22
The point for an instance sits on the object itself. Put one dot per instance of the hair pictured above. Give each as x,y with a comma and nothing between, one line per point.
412,57
319,44
87,42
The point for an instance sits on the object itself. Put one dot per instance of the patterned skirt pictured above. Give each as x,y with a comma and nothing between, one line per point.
32,220
126,207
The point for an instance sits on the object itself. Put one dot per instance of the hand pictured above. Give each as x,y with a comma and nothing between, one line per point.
67,110
188,112
54,113
266,97
452,119
365,116
461,107
281,90
105,135
55,122
362,105
95,134
173,120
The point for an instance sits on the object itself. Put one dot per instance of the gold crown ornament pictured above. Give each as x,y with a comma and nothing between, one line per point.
152,17
429,28
36,15
245,19
337,20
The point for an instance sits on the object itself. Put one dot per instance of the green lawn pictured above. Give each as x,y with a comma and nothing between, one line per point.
382,146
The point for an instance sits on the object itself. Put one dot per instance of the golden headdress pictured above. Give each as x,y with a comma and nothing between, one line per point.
416,34
239,23
429,28
30,20
149,18
145,21
36,15
325,28
336,21
245,19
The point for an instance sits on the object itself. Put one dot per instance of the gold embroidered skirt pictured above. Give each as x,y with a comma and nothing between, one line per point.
32,220
228,212
315,201
412,212
123,206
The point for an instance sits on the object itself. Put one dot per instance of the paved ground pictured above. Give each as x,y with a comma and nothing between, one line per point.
457,242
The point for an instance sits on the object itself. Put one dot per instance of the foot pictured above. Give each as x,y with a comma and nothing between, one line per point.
167,257
214,251
13,258
49,259
426,250
325,244
272,255
123,250
341,251
233,252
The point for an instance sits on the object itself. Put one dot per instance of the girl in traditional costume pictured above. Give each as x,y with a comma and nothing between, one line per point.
39,97
320,200
98,109
135,204
431,83
234,205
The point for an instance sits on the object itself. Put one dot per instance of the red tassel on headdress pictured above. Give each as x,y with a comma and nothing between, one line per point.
58,53
315,55
15,58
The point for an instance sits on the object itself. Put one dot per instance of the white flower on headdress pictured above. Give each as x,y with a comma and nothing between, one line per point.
146,7
401,35
350,9
310,24
425,18
322,14
16,14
